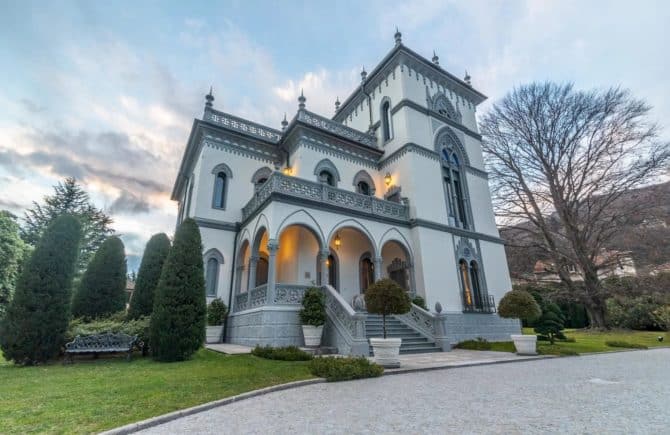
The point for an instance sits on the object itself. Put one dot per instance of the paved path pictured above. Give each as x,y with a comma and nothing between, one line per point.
625,393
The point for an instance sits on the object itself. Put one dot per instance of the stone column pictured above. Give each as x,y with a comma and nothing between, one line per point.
238,278
379,264
253,261
273,246
323,264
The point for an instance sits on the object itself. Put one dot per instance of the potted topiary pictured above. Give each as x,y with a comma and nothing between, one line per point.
216,316
385,297
313,316
521,305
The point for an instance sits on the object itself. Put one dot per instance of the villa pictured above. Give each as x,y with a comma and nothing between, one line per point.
392,185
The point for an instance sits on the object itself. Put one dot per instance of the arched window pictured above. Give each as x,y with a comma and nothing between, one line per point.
453,179
364,184
211,276
387,133
465,283
476,285
367,271
260,177
222,176
213,260
326,172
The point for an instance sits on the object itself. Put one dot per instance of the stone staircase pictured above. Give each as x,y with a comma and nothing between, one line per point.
412,341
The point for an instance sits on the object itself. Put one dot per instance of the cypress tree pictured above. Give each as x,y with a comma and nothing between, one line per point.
178,319
33,328
155,253
101,291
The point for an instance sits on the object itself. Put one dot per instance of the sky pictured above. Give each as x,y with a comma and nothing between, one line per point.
107,91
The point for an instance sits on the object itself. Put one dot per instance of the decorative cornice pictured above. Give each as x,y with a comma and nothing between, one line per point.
367,158
243,147
477,172
409,147
217,225
455,231
336,128
419,108
243,126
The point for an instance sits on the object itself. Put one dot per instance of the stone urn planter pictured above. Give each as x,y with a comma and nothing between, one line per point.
312,335
386,351
525,344
385,297
313,316
214,334
519,304
216,318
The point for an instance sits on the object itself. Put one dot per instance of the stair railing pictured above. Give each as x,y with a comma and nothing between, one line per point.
345,328
420,320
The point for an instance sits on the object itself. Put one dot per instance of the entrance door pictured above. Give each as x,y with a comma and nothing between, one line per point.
367,273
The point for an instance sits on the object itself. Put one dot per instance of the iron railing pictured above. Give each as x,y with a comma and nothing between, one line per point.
487,305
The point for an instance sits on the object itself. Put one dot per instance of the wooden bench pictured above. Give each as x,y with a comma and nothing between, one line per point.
100,343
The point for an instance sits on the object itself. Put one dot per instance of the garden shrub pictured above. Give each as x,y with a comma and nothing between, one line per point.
216,312
550,323
646,313
478,344
177,328
420,302
287,353
620,343
344,369
155,253
36,319
313,310
386,297
102,290
113,324
519,304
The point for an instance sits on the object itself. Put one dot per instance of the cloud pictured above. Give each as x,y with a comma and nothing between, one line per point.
31,106
130,204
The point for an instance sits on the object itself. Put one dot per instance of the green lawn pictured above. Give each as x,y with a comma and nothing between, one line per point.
91,396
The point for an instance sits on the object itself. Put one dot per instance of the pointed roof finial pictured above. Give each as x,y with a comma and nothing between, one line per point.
397,36
301,100
436,60
467,78
337,104
364,74
284,123
209,98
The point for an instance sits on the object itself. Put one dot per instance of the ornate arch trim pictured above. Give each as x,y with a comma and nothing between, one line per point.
261,173
446,138
222,167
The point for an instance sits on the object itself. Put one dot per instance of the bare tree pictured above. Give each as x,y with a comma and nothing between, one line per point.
558,157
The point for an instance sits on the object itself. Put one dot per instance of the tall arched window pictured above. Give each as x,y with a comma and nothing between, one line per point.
260,177
476,286
211,276
367,272
465,283
386,120
454,187
220,190
222,176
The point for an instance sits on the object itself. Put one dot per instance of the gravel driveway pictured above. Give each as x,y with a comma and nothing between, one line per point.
626,393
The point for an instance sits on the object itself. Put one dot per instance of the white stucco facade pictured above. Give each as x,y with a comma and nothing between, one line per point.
393,185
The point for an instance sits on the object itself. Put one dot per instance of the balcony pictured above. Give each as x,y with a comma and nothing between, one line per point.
487,306
320,193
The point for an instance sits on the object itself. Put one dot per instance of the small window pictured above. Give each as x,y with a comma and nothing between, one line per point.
363,188
327,177
386,120
220,190
211,276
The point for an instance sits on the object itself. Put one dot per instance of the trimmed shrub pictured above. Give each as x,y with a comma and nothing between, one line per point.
288,353
33,328
177,328
617,343
386,297
420,302
155,253
344,369
550,323
313,310
216,312
102,290
519,304
646,313
478,344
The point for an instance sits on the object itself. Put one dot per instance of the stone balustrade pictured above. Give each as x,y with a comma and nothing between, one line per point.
324,194
242,125
337,128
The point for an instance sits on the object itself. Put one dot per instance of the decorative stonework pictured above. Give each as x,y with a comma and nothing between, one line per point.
242,125
420,320
322,193
336,128
289,294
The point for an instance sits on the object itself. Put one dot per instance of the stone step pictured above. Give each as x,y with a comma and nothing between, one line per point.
322,350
